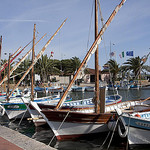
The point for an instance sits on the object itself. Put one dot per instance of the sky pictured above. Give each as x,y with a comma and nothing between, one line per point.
129,31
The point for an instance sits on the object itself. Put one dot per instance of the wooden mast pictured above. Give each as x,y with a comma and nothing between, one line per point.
32,73
4,83
6,63
0,55
15,56
23,58
8,83
37,57
96,42
97,108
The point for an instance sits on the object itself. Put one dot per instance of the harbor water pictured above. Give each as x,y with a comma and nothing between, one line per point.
44,134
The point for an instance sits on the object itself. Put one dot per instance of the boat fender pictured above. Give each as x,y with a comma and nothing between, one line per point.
2,111
137,115
121,124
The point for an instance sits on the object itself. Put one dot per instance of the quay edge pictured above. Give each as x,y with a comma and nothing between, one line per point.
21,140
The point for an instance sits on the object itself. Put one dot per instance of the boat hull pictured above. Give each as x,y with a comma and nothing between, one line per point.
142,138
16,110
66,125
76,130
85,106
139,130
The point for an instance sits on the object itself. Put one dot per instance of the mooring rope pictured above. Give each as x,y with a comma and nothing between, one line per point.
59,127
21,119
101,147
128,132
112,134
23,114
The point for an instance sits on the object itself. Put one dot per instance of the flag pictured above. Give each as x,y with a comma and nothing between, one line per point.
52,54
129,53
112,54
122,54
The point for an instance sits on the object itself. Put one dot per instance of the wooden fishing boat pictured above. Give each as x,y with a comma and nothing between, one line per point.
69,124
16,93
55,89
76,124
89,88
16,108
84,105
136,127
78,89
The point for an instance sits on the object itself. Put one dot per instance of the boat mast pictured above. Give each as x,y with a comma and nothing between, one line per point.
6,63
95,43
0,55
37,57
8,83
97,108
23,58
32,72
15,56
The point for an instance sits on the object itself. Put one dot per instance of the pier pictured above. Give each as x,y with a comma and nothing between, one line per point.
10,139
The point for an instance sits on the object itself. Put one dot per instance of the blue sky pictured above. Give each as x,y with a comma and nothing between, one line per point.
130,29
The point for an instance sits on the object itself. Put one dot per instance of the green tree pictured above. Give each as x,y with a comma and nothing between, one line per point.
114,69
46,66
135,65
42,67
54,67
22,68
75,63
66,65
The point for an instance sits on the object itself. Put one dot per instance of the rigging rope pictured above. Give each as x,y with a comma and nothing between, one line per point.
102,21
90,26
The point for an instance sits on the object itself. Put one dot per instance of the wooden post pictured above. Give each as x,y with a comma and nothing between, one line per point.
102,99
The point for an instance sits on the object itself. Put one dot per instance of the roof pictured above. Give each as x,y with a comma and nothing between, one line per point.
92,71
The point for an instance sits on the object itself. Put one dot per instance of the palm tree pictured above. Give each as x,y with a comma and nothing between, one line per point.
75,63
42,67
22,68
67,67
54,67
135,65
113,68
46,66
